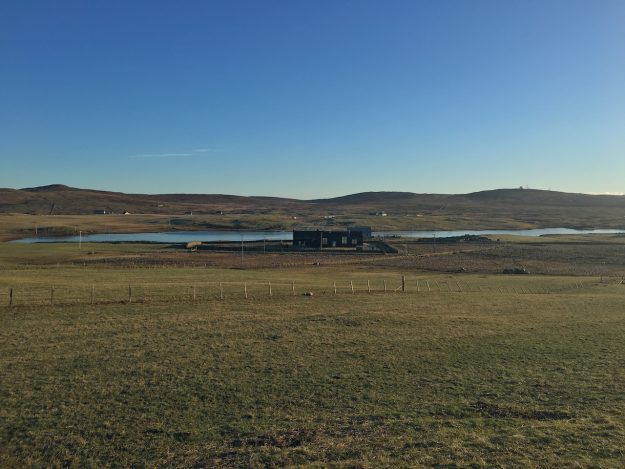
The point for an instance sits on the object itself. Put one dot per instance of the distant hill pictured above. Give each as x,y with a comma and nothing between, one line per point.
367,197
550,198
524,207
50,188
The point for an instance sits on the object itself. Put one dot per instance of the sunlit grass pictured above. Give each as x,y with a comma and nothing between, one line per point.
366,380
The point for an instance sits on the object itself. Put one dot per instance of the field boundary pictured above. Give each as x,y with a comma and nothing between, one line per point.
206,291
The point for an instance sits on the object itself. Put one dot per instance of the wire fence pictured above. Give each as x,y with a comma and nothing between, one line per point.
161,292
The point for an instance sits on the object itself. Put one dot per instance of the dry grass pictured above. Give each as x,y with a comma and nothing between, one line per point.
462,380
501,374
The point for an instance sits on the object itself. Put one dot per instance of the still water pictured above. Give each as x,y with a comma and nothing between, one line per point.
186,236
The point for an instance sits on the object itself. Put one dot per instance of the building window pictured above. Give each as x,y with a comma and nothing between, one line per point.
344,240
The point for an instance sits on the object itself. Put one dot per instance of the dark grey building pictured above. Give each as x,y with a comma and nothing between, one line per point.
327,239
366,231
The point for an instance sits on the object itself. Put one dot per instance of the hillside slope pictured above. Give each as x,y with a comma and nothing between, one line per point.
492,208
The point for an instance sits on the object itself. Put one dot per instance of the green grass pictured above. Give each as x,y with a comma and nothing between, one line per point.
364,380
512,371
74,284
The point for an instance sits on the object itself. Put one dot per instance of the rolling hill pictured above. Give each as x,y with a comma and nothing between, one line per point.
491,208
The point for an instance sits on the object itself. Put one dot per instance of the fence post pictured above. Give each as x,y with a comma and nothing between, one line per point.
92,293
245,289
334,285
269,289
293,287
351,284
418,290
221,291
368,286
10,297
427,282
403,283
129,294
384,285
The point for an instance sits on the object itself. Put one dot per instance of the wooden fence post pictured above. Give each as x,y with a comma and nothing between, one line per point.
427,282
269,289
129,294
10,297
293,287
403,283
351,284
384,285
418,290
245,289
368,286
221,291
334,285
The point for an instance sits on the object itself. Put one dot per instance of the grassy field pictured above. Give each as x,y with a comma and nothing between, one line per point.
465,379
474,370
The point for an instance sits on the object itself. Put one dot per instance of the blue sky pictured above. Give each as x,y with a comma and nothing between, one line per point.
313,98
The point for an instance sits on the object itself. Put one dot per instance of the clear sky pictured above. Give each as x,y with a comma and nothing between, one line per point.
313,98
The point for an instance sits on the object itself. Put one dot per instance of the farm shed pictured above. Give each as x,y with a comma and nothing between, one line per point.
327,239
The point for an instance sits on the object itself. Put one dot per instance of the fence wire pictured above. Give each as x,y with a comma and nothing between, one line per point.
173,292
